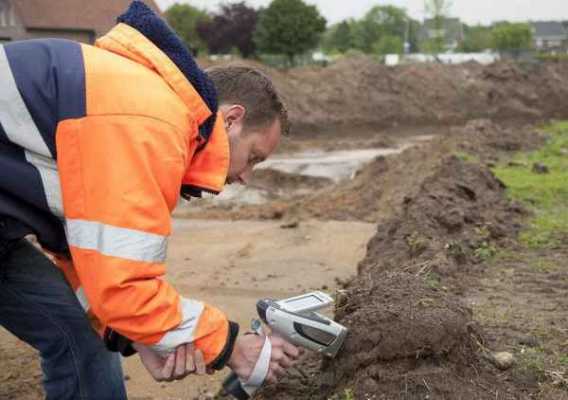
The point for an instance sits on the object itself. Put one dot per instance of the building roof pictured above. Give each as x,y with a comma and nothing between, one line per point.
89,15
549,29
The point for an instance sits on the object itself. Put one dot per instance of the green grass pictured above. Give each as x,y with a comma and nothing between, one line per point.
532,361
467,157
545,194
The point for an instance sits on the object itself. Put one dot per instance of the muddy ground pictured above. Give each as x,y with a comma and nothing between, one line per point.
408,242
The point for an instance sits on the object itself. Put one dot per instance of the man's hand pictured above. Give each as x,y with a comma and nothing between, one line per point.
183,362
247,350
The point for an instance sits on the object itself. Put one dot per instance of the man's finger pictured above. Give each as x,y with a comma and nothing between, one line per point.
168,368
277,370
179,369
277,354
200,366
291,350
271,378
286,361
288,348
190,357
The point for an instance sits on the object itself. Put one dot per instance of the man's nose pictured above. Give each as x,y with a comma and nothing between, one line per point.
245,176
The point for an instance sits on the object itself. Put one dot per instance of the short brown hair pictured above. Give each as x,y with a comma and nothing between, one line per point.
251,88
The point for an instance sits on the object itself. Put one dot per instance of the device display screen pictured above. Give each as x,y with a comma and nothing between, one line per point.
304,303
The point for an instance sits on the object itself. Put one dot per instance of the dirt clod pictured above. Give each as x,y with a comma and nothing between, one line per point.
503,360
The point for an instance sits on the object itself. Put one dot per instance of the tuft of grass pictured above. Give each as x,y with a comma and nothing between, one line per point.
433,280
544,266
466,157
417,243
532,361
349,394
545,194
485,251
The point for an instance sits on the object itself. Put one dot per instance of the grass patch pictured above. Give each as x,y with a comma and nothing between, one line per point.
543,266
466,157
532,362
545,194
433,280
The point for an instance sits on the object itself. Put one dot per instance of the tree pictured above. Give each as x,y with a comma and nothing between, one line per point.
413,38
231,28
289,27
338,37
476,38
378,22
512,37
389,44
438,10
184,19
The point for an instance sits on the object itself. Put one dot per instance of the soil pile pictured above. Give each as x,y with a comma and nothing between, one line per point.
360,93
378,190
410,336
458,212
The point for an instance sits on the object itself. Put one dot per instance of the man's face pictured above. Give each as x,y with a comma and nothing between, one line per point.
248,145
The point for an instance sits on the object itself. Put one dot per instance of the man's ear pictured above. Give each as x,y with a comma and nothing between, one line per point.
235,114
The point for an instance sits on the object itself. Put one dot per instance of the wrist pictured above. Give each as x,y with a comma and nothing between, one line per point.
224,358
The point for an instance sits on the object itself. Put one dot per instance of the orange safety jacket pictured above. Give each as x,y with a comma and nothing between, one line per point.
109,165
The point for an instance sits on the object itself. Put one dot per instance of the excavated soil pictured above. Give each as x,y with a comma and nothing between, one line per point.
378,190
411,334
359,93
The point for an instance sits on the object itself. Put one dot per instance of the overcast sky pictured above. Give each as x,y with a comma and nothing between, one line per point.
470,11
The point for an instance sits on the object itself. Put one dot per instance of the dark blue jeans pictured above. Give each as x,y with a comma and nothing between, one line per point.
39,307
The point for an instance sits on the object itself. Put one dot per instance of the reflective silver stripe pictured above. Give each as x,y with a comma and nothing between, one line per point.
184,333
16,120
80,293
49,175
21,129
113,241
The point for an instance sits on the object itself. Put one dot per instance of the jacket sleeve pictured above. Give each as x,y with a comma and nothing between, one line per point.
120,179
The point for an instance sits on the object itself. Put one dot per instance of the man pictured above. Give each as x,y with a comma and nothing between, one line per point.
96,145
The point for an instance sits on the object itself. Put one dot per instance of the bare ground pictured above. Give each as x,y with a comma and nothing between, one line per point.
230,265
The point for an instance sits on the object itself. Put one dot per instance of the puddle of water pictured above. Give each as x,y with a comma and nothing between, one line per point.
335,165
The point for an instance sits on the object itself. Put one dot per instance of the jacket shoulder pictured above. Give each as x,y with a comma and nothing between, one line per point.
118,85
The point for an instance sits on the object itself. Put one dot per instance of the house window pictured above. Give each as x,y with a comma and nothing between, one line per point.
6,18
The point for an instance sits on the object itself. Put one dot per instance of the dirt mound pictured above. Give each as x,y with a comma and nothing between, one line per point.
378,190
405,338
410,335
487,140
459,211
360,93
